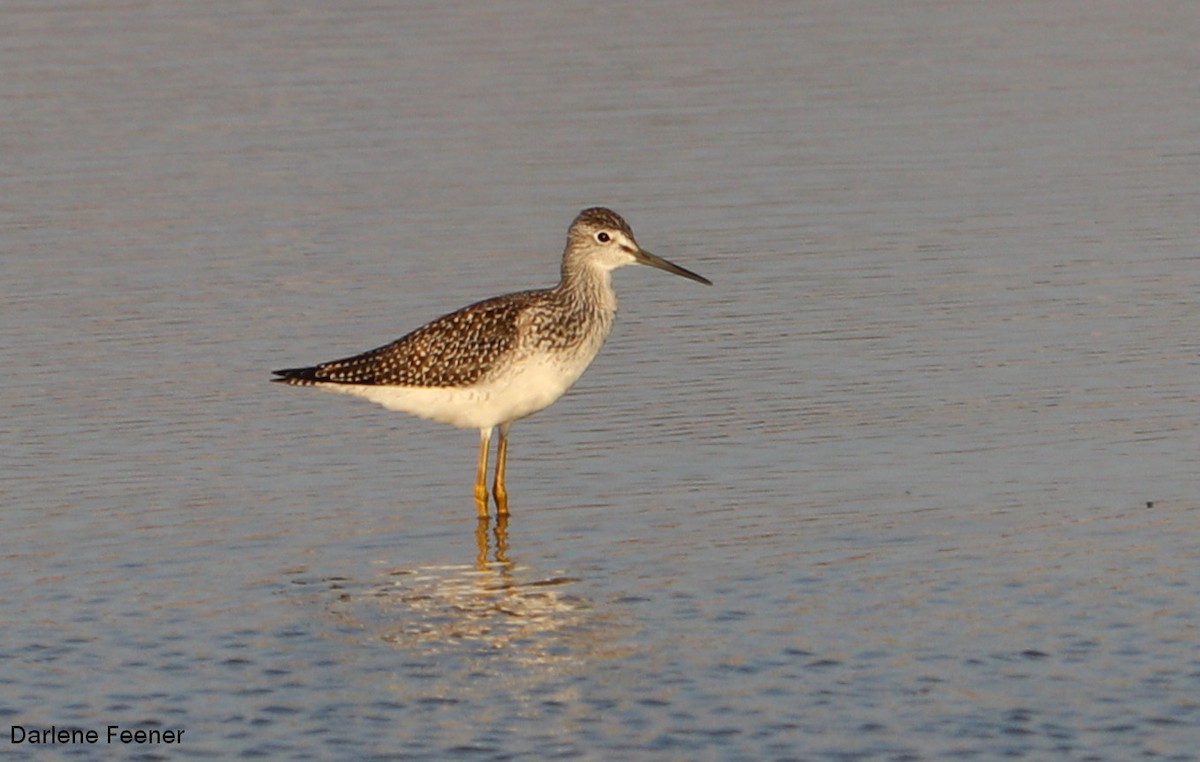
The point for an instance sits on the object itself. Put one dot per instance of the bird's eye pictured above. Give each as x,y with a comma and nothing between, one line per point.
603,237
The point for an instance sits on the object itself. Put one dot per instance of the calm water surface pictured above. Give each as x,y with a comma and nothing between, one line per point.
916,480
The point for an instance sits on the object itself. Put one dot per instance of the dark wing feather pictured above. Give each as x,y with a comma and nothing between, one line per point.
458,349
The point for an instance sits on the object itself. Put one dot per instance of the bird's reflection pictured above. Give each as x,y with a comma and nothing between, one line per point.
483,542
493,602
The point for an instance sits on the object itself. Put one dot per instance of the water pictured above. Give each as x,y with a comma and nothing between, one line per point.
915,480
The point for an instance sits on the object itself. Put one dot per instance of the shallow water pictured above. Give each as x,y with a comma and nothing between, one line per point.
915,480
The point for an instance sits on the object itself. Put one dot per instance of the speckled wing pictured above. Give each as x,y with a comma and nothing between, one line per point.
456,350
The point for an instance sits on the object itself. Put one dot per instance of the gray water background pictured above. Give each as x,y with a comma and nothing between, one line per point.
917,479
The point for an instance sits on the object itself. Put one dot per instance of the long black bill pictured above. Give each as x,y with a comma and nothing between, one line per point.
646,258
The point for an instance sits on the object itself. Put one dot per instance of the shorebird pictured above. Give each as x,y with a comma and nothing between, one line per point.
502,359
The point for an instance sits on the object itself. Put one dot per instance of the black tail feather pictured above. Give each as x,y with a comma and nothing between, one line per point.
298,376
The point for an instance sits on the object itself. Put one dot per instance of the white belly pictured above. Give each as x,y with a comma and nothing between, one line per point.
527,388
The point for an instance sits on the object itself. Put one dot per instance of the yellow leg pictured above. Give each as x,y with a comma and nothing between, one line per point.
498,489
481,494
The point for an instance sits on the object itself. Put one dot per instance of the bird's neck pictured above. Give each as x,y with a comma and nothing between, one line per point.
589,287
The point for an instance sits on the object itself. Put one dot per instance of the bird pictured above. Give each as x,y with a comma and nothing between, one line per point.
502,359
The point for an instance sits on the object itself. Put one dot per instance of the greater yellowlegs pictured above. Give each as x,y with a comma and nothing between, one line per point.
502,359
